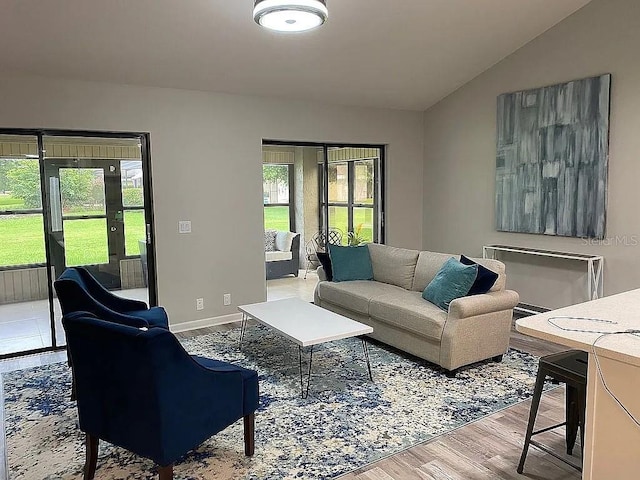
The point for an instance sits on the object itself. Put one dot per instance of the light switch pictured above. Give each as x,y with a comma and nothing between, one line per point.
184,226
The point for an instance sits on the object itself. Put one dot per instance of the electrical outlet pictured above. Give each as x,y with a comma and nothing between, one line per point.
184,226
226,298
199,303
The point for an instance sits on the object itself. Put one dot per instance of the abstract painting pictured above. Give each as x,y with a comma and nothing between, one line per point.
552,156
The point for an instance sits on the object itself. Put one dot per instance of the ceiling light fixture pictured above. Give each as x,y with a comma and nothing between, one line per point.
290,15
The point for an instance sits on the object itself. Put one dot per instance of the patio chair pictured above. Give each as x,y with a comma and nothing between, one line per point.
318,243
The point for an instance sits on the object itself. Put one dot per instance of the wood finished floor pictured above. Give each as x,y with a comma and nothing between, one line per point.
488,449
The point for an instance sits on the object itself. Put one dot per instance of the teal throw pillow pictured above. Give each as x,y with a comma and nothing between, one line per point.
350,263
454,280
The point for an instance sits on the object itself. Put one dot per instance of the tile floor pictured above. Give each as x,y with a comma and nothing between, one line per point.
287,287
26,326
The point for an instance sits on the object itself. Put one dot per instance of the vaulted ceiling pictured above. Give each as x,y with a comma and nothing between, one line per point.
405,54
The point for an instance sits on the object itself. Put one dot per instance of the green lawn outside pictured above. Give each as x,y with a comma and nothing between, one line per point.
277,218
22,239
7,202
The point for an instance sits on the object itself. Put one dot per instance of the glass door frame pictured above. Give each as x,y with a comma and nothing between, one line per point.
378,213
145,153
59,259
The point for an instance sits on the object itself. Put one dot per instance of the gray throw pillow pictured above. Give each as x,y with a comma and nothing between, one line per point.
270,240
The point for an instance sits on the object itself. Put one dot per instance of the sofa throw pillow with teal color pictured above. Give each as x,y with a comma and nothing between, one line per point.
350,263
454,280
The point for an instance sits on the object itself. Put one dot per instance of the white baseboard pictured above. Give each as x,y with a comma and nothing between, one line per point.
205,322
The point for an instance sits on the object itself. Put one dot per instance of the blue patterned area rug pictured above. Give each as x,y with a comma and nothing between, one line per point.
345,423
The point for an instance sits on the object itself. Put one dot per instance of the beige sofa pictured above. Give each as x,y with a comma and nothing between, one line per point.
475,328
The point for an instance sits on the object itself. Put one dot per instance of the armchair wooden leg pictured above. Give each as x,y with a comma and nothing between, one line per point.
249,434
166,473
91,457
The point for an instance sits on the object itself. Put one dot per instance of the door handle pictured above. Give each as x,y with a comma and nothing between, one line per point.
113,229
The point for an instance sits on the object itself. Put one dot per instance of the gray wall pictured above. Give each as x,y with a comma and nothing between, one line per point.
460,152
207,167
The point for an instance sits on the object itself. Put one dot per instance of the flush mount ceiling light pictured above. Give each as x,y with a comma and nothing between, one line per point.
290,15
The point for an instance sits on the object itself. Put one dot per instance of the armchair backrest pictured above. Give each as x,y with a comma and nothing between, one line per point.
115,379
73,293
78,291
139,389
96,289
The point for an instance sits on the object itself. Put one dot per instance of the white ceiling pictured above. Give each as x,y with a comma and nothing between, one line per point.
405,54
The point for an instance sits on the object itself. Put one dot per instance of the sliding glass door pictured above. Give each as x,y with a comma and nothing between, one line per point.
80,200
24,306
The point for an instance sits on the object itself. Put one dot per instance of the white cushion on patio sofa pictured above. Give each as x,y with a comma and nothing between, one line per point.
283,241
277,256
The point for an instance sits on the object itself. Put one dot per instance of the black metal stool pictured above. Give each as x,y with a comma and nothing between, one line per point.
570,368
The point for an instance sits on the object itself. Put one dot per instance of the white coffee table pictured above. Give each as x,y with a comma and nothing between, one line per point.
306,325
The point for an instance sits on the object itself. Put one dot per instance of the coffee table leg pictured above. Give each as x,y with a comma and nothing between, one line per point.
243,328
302,389
366,356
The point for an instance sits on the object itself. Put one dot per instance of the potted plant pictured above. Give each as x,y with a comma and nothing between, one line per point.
355,238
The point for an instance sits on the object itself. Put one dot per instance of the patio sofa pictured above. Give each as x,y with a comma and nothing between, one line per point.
282,253
474,328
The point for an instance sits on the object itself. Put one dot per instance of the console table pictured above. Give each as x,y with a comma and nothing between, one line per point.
595,281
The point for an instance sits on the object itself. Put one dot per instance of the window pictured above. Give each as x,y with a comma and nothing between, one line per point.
82,193
336,187
277,190
354,192
68,199
133,205
21,218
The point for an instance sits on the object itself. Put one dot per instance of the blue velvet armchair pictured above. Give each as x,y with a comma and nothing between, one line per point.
138,388
79,291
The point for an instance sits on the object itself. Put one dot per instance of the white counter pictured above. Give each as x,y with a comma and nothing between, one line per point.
612,439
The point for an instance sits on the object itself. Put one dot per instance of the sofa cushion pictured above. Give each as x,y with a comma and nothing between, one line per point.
393,265
325,261
269,240
283,241
454,280
355,295
495,266
408,310
277,256
484,281
350,263
428,265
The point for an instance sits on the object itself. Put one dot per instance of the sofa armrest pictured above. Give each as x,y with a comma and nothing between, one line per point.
321,275
473,305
